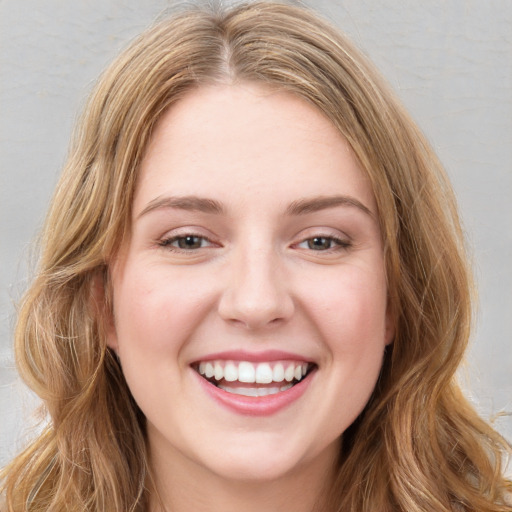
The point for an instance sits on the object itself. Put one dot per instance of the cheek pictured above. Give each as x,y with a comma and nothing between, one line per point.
356,338
156,310
350,315
155,314
350,306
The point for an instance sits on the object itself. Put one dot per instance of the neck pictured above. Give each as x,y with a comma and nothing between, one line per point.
181,486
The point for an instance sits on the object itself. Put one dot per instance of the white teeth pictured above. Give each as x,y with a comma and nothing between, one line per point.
254,391
230,372
263,373
267,391
289,373
246,372
240,391
208,371
250,373
278,373
219,371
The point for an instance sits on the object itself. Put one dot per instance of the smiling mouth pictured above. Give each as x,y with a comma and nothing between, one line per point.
253,379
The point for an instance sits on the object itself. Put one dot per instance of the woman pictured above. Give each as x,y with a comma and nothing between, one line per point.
252,291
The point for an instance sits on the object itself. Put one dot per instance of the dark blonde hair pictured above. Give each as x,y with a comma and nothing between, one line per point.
418,445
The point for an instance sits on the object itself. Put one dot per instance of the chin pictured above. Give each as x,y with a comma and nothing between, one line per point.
266,462
248,471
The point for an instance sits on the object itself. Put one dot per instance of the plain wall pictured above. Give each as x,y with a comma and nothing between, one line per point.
450,61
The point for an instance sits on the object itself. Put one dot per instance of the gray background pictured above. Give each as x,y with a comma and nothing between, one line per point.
450,62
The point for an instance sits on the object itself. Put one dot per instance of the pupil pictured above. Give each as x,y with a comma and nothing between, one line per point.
189,242
318,243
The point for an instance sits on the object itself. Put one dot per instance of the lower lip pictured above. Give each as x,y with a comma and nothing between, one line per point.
256,406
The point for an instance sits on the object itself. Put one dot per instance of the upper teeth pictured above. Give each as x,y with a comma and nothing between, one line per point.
260,373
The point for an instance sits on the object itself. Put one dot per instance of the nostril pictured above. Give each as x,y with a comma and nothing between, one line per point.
254,310
255,322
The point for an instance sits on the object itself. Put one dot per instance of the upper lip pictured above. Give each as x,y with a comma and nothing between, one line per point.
253,357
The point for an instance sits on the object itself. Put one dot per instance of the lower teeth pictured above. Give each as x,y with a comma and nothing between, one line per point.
255,391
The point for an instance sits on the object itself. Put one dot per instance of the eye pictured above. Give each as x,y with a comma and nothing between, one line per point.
188,242
323,243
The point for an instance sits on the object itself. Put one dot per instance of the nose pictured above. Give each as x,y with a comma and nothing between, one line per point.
256,293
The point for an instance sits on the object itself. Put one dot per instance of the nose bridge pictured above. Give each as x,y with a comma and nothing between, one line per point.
255,294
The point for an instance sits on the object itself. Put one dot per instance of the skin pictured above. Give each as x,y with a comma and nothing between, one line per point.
255,279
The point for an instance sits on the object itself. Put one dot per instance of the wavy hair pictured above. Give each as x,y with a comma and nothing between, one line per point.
418,445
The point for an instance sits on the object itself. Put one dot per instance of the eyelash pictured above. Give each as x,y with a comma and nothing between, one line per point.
335,243
167,242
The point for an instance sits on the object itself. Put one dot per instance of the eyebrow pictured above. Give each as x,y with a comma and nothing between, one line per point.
190,203
315,204
298,207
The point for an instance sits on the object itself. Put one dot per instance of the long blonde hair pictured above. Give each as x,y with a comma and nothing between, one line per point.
418,445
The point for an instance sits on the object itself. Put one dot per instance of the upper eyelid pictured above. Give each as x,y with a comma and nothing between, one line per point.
183,231
322,232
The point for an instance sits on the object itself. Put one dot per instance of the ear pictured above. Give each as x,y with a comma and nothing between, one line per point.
101,301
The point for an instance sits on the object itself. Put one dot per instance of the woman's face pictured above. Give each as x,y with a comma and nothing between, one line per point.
250,302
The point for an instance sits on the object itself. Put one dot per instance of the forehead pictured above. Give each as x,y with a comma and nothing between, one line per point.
259,141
